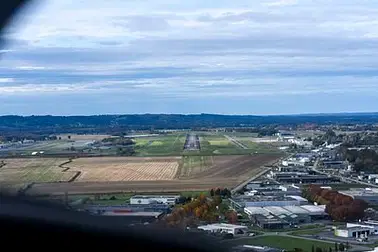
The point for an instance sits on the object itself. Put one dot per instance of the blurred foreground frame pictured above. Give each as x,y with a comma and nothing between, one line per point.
8,10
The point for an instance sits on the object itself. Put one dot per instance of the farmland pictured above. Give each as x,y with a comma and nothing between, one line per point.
130,174
159,163
26,170
124,169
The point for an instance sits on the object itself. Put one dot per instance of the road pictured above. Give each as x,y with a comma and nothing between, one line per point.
343,179
236,142
265,170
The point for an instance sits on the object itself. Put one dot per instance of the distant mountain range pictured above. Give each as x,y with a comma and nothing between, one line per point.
173,121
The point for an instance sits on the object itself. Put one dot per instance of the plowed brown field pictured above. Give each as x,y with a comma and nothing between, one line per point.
101,175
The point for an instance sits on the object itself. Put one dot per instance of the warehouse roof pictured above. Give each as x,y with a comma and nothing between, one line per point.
298,198
296,209
255,210
277,210
314,209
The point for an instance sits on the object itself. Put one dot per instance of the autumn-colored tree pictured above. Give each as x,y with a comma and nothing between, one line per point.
198,212
202,198
232,217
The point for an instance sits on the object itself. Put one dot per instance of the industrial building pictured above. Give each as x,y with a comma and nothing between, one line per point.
280,217
357,230
151,199
335,165
135,217
236,230
370,195
250,248
96,209
307,179
271,188
240,202
269,222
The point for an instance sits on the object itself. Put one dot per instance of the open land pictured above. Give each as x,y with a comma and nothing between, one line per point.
106,175
287,243
161,163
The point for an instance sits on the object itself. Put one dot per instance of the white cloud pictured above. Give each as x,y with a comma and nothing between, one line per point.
6,80
282,3
169,48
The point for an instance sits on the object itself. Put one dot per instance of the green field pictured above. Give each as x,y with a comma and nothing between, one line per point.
287,243
217,144
210,144
164,145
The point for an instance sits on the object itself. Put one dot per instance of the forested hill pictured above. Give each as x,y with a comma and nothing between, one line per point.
175,121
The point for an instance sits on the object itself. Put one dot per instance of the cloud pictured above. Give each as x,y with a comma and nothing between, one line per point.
6,80
193,50
282,3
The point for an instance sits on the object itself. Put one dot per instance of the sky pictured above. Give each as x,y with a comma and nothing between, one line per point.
86,57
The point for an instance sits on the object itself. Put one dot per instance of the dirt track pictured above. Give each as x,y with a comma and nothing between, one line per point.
224,173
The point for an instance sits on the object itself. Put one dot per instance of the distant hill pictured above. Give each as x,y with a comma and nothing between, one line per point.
172,121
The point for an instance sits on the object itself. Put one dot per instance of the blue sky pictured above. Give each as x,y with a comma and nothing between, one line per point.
170,56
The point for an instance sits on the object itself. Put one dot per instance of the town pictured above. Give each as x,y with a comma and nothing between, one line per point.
313,190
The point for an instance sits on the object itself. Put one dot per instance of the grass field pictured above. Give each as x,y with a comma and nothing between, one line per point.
217,144
164,145
288,243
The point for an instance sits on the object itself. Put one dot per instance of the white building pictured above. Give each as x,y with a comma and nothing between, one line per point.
236,230
357,230
153,199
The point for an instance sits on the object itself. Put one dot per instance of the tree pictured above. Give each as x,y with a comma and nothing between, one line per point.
341,247
232,217
212,192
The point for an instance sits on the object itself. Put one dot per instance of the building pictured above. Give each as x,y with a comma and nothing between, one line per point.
316,212
135,217
335,165
236,230
269,222
303,216
357,230
370,195
240,202
151,199
285,216
250,248
307,179
98,209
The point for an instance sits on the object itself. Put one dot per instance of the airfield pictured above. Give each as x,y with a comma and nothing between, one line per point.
173,162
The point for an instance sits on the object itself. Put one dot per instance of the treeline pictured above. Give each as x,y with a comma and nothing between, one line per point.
339,206
91,124
365,160
191,211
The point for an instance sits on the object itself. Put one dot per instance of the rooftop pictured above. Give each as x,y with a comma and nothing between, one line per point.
155,196
134,214
361,192
220,225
